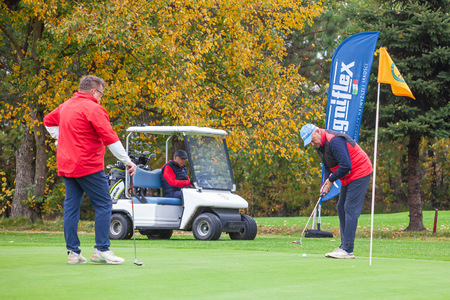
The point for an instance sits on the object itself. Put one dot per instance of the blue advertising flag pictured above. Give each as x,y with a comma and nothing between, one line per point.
349,78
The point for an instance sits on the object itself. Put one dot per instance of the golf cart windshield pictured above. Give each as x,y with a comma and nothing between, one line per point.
209,162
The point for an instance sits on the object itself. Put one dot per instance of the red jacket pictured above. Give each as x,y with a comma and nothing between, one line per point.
84,131
361,165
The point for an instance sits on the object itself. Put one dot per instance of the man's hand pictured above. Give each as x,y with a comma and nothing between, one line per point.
326,187
131,168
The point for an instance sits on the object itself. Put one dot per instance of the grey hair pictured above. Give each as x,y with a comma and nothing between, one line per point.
90,82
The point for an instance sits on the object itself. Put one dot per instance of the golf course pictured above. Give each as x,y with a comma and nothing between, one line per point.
404,266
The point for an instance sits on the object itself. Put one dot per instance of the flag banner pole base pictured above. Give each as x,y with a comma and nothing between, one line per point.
311,233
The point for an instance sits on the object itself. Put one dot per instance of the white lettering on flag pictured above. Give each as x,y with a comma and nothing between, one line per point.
341,94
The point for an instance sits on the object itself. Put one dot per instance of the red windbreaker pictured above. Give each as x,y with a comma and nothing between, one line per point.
84,131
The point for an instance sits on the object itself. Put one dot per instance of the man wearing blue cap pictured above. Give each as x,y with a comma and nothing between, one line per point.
343,159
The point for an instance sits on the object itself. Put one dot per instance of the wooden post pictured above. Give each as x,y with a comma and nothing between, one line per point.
435,220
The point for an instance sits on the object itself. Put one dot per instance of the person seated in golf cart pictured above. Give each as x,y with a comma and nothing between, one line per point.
175,175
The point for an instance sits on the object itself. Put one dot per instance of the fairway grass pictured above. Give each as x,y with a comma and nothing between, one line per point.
33,266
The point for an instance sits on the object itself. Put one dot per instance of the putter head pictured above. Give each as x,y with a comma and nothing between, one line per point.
297,242
138,263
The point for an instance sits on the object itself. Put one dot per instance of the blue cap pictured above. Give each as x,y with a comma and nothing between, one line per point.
306,133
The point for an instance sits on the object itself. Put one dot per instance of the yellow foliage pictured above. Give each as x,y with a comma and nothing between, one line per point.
210,63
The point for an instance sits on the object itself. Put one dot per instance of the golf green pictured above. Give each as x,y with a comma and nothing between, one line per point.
32,266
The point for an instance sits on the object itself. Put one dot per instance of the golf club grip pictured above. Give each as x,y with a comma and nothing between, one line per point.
131,186
132,200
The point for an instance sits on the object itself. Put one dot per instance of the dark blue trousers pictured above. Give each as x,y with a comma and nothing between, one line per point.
349,208
174,194
96,187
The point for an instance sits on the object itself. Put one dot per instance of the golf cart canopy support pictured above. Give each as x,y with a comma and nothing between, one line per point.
171,130
192,133
185,130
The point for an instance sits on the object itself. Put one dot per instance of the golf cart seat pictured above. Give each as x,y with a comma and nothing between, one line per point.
159,200
152,180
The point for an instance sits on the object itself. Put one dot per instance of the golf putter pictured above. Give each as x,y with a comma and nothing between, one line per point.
301,236
134,233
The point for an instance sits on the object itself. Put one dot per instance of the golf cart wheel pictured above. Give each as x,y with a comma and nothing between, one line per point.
120,228
207,227
159,234
248,232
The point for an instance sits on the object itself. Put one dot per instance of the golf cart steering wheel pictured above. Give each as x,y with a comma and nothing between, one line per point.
202,178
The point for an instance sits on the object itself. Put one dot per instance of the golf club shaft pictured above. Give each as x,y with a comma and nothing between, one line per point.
132,214
301,237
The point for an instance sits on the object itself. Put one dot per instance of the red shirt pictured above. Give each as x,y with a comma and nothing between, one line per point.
171,178
84,131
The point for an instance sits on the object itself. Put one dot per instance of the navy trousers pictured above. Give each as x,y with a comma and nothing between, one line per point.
349,208
96,187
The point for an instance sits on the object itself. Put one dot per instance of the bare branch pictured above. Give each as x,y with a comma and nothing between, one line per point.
20,55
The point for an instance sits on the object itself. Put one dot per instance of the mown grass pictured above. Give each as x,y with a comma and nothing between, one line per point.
275,234
405,265
385,225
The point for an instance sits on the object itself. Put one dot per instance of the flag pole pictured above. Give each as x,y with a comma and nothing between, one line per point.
374,173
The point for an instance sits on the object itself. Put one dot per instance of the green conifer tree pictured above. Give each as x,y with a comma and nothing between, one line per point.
417,37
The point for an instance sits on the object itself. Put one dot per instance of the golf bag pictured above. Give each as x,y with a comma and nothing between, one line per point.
117,173
116,181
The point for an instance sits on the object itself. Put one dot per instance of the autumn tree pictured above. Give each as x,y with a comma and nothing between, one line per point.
208,63
19,48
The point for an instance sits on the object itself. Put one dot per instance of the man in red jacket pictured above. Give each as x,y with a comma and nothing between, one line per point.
82,130
175,176
343,159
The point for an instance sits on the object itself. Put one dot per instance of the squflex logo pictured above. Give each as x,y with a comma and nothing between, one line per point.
341,94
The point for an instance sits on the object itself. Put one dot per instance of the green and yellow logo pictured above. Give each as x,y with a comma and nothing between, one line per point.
396,74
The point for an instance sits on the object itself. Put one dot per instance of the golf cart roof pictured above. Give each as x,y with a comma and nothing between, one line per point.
170,130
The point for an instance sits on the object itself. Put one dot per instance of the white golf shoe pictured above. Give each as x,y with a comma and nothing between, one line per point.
334,251
340,253
75,258
106,257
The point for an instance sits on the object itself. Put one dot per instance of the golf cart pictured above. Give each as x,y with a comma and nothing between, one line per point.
207,209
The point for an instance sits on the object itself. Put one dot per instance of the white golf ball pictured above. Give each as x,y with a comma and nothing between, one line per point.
304,255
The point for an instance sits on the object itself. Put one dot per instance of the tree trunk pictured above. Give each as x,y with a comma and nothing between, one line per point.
177,144
434,180
24,178
31,161
414,188
40,176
